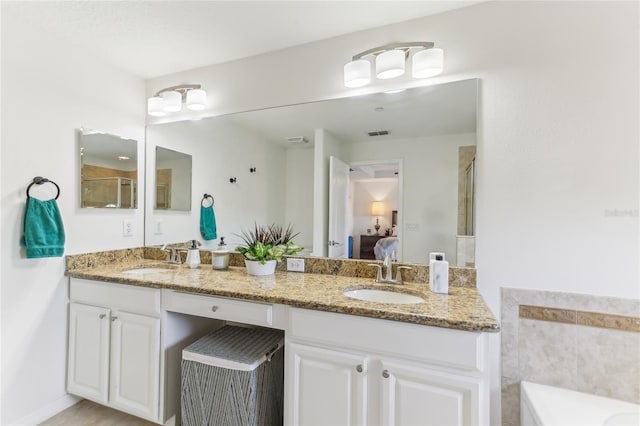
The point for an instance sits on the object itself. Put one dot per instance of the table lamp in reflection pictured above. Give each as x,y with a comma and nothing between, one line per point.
377,210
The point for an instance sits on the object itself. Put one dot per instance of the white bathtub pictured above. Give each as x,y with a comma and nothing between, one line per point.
542,405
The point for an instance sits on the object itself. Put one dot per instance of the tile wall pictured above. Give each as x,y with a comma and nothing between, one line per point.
581,342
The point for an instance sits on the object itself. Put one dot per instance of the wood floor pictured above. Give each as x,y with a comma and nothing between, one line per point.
87,413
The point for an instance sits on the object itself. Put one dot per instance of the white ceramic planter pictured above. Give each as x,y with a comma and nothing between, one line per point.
254,267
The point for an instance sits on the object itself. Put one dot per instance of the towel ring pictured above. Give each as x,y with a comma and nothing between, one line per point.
204,198
39,180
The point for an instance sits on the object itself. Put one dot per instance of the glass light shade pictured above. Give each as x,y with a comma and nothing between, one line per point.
427,63
172,101
357,73
377,208
390,64
196,99
154,106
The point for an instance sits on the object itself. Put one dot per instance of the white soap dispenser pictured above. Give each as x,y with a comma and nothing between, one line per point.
193,255
440,275
432,259
220,259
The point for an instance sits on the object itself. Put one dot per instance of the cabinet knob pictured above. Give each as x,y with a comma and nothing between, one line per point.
113,318
214,308
102,316
359,368
385,374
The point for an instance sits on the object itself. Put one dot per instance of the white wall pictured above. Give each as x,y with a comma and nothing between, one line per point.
220,150
299,194
557,138
49,89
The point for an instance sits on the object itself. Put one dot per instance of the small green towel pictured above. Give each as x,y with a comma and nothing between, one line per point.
208,223
43,230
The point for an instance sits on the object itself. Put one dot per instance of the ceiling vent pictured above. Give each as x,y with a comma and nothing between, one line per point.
297,139
378,133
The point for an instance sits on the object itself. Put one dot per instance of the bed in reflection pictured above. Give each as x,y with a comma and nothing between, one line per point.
387,246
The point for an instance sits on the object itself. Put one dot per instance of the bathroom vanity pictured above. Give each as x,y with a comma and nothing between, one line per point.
346,361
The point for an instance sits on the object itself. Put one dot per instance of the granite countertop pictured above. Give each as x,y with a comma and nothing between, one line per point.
462,309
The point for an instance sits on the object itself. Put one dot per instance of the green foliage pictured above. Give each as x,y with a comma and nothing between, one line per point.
268,243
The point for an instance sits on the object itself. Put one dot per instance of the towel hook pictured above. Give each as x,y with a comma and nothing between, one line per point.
204,198
39,180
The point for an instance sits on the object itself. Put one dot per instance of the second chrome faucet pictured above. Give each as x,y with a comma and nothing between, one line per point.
388,265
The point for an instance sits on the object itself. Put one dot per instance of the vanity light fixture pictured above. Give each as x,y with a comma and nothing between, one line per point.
390,62
170,100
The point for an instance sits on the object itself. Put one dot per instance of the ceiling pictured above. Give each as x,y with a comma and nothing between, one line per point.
441,109
154,38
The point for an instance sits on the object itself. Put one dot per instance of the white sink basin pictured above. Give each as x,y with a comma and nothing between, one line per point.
140,271
382,296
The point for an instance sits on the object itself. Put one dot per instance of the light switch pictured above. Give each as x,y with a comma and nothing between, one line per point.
127,228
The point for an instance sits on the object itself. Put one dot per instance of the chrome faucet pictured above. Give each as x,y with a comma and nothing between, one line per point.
173,255
388,264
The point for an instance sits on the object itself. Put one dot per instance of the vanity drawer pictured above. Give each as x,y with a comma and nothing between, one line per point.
218,307
462,350
130,298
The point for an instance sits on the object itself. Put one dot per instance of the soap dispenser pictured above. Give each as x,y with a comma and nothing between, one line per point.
440,275
220,258
193,255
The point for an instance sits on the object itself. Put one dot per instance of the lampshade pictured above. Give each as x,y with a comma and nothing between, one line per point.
172,101
390,64
196,99
427,63
154,106
377,208
357,73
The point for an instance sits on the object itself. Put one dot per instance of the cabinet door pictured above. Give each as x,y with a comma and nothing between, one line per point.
415,395
327,387
135,364
88,369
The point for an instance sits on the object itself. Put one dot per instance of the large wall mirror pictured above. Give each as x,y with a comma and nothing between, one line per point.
108,170
410,169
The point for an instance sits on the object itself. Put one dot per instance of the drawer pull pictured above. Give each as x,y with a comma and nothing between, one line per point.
385,374
102,316
359,368
113,318
214,308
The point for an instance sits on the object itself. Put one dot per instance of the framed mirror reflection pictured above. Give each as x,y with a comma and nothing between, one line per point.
108,170
173,180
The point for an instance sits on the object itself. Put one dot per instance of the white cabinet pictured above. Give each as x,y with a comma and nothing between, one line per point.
114,353
88,372
135,364
327,387
415,395
346,370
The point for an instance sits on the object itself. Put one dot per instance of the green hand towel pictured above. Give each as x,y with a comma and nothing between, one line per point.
43,230
208,223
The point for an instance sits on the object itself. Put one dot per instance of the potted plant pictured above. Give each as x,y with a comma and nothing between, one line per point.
264,247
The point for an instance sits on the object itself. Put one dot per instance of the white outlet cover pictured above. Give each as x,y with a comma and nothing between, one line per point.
127,228
295,265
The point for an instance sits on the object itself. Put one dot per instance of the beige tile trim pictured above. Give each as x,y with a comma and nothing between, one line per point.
570,316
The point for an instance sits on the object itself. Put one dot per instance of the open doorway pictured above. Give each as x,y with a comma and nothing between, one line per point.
375,208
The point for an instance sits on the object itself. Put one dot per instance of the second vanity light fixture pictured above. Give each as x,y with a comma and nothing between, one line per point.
390,60
170,100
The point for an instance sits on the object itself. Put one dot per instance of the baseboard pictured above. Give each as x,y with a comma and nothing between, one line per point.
48,411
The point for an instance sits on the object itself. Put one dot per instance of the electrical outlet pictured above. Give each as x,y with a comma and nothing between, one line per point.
295,265
127,228
158,227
